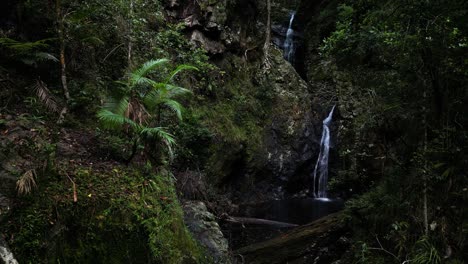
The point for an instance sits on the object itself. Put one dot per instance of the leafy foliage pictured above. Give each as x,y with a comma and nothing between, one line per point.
138,108
402,88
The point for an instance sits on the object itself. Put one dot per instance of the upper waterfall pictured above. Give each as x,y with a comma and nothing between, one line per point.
289,48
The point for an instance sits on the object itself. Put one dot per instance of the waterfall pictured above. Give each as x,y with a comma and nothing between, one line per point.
289,48
321,167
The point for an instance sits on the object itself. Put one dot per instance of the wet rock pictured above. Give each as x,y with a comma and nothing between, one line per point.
6,256
206,230
5,206
207,44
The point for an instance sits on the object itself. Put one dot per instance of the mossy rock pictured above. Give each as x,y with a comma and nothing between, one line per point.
119,216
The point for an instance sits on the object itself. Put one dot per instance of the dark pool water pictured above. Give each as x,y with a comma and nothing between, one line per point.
294,211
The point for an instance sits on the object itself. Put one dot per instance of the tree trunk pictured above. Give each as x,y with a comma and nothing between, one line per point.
257,221
63,65
426,222
130,29
266,46
134,151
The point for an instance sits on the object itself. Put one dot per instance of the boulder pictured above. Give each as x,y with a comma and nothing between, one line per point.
202,224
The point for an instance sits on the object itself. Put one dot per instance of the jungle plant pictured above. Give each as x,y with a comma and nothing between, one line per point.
137,108
425,252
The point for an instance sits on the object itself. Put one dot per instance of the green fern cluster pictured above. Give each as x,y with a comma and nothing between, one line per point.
137,108
29,53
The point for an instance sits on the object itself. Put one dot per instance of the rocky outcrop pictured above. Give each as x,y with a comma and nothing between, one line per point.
202,224
323,241
5,253
291,138
275,106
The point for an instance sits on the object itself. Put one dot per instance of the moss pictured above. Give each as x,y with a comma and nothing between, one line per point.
120,217
236,116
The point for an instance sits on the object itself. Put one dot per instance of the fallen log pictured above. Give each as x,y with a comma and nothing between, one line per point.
258,221
321,241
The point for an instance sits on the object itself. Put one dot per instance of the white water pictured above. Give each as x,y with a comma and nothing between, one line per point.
289,48
5,253
321,167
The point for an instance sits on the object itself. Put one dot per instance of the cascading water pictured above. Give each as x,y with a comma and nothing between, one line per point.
289,48
321,167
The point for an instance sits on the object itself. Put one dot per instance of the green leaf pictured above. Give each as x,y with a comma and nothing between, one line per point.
180,68
145,69
175,106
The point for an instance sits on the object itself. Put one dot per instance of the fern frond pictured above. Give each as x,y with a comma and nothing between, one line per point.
46,97
24,47
146,68
180,68
27,182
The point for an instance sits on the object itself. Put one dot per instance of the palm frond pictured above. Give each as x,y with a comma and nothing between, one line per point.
137,112
175,106
152,99
45,56
113,121
180,68
46,97
146,68
174,90
117,106
158,133
143,81
27,182
93,41
162,93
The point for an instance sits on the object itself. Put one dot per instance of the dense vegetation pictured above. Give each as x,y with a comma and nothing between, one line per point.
404,106
107,106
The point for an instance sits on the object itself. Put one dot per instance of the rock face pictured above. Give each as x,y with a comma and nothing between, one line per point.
206,230
270,151
322,241
291,137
